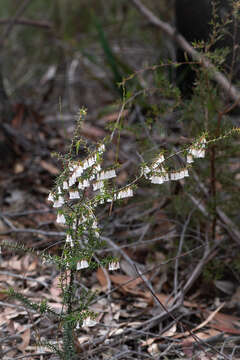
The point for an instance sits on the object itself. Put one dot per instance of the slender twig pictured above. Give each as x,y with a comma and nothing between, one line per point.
11,24
22,277
180,251
41,24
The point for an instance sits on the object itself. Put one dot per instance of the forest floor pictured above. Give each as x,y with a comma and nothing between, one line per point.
160,305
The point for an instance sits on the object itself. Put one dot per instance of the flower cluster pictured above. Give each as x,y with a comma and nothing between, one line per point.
157,174
76,198
197,150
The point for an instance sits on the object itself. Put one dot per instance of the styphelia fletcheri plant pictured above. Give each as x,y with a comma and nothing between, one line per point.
83,186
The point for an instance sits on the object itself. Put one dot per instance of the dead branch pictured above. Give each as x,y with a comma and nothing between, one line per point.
41,24
221,79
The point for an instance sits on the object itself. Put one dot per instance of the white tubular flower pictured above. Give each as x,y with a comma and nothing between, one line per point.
80,186
157,179
203,142
78,325
85,164
104,175
113,265
85,183
94,225
101,149
165,177
72,179
88,322
50,197
186,172
190,158
201,153
79,171
124,193
72,166
69,240
59,190
97,168
159,160
98,185
97,234
65,185
58,202
180,174
83,264
61,219
74,225
74,195
146,170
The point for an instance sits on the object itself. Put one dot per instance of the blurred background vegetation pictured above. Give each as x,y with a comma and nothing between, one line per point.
90,44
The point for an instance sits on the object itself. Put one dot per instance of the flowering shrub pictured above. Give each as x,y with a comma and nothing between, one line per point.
80,189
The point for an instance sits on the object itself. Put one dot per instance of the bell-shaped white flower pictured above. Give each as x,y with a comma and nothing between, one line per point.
157,162
74,195
65,185
88,322
114,265
82,264
72,179
69,240
61,219
157,179
86,183
104,175
58,202
72,166
98,185
79,171
190,158
145,171
50,197
101,149
165,177
94,224
124,194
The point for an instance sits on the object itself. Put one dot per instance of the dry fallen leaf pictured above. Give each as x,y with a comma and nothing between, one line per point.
25,340
52,169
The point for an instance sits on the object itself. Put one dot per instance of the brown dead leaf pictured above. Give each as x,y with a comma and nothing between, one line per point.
18,168
55,289
14,263
227,323
125,281
170,332
102,278
114,116
92,132
52,169
25,340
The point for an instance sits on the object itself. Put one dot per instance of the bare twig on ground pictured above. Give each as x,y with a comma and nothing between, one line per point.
180,251
22,277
